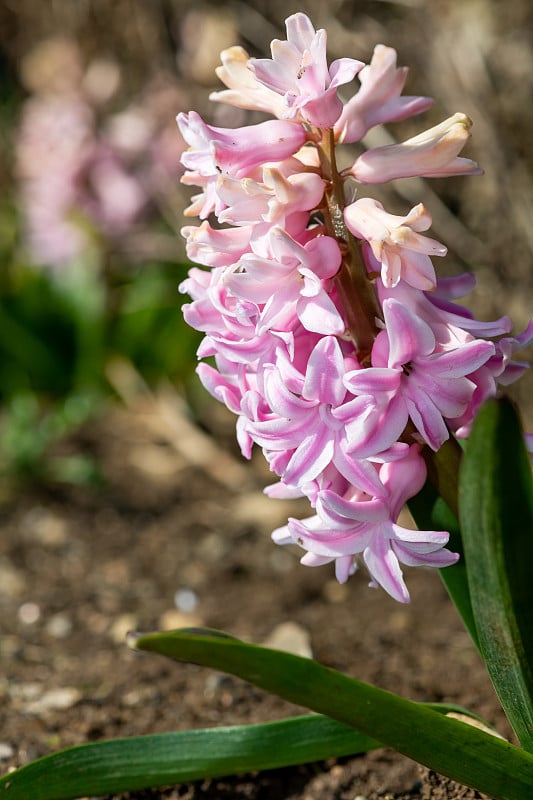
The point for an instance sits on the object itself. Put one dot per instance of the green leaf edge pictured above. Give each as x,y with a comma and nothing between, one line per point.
435,507
142,762
430,512
451,747
496,510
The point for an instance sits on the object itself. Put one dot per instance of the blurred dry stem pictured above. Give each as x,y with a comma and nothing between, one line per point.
165,413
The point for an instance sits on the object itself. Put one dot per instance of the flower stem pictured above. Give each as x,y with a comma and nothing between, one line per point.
356,292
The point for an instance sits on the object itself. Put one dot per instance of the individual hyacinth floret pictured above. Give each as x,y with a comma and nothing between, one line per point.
330,336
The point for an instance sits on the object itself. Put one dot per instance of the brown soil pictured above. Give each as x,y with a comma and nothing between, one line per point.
172,514
78,568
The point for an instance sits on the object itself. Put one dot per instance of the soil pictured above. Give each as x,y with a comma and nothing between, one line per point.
178,534
178,521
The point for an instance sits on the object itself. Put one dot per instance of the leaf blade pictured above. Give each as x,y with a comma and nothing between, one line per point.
430,512
496,509
459,751
148,761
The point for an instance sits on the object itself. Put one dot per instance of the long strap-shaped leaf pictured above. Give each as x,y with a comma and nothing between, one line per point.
496,510
141,762
430,512
435,507
147,761
457,750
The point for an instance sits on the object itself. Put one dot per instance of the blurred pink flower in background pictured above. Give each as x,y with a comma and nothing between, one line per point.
87,176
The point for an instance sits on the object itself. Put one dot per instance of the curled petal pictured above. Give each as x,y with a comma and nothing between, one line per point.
216,247
384,567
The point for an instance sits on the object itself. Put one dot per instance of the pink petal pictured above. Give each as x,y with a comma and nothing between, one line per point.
409,335
310,458
373,380
323,380
320,315
428,420
461,361
333,507
384,567
282,401
359,472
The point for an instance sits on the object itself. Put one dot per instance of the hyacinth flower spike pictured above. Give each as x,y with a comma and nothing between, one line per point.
335,344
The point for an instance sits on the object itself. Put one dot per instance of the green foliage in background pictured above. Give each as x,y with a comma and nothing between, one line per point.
59,330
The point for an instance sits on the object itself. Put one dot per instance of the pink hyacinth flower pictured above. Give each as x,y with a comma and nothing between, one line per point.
292,283
346,527
307,428
286,189
379,98
231,151
232,325
298,71
452,324
415,380
216,247
395,242
431,154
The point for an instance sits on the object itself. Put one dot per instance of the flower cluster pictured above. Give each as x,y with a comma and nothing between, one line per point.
326,329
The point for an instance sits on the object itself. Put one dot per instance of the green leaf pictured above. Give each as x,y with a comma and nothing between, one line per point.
430,512
149,761
142,762
446,745
496,510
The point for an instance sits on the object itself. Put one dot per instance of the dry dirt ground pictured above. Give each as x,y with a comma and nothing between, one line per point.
178,534
78,568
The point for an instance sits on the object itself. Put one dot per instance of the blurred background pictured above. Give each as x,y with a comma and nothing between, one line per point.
91,204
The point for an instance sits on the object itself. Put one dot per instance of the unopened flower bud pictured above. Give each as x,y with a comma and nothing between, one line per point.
431,154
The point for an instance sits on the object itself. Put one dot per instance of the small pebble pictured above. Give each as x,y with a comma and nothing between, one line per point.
281,561
185,600
45,527
137,696
12,582
335,592
59,626
172,619
212,548
55,700
399,620
6,751
24,692
291,638
29,613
